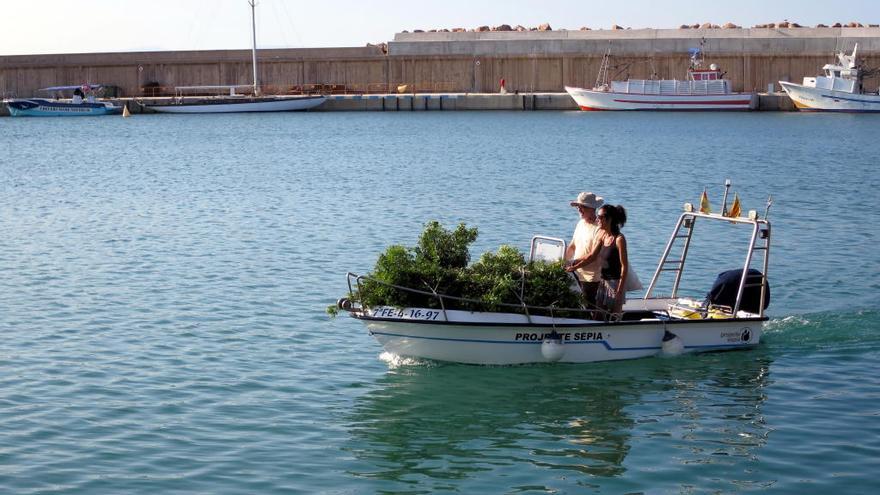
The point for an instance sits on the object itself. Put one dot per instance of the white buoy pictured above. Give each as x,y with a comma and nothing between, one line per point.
552,347
125,112
672,344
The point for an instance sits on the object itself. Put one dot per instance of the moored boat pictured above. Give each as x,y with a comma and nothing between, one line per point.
732,317
840,89
237,103
83,103
240,104
703,89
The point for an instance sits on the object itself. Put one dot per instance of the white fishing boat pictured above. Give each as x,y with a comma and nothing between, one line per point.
839,90
732,317
83,102
232,102
703,89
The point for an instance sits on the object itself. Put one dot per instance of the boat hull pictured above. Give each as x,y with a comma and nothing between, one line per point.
244,105
476,340
587,99
39,107
825,100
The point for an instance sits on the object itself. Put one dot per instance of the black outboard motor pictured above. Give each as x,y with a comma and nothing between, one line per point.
724,289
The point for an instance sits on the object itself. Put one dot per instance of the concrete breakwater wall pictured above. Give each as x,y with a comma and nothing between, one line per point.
471,62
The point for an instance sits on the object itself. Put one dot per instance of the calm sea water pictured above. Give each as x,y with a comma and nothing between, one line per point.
163,281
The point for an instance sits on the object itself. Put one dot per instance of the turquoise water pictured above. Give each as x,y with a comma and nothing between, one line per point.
163,281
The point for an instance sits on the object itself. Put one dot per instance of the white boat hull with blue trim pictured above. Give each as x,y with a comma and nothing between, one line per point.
812,99
506,338
839,89
730,317
40,107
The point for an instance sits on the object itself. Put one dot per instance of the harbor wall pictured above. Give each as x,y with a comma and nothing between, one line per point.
465,62
431,102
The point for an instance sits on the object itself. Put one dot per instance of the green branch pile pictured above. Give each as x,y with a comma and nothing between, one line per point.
439,263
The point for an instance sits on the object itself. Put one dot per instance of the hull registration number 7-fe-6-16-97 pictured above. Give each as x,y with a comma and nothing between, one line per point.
406,313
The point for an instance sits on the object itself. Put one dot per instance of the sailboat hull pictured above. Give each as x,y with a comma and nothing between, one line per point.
242,105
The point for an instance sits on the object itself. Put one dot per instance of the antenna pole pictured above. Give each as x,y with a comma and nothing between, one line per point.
724,201
253,4
767,209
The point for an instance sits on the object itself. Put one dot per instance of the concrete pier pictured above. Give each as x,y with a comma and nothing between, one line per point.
490,101
448,102
429,102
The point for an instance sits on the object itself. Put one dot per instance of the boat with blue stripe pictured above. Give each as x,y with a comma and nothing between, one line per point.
730,317
83,102
840,89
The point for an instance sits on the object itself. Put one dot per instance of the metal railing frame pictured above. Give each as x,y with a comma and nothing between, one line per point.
760,228
441,297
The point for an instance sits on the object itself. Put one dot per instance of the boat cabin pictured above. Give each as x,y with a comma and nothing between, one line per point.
711,74
843,76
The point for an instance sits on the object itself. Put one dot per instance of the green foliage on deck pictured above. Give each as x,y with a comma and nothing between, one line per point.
439,264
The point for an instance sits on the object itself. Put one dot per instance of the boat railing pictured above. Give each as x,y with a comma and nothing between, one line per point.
214,90
526,309
683,233
670,87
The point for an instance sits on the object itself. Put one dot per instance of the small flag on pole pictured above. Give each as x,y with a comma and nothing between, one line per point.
704,203
735,208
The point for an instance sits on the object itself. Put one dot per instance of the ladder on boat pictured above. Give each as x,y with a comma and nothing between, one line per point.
759,243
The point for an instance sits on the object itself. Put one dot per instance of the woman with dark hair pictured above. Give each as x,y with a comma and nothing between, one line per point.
610,251
615,260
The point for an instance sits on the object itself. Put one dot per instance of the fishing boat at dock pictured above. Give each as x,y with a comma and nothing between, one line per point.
703,89
83,102
731,317
840,89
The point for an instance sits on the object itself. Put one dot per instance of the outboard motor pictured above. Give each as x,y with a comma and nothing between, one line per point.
724,290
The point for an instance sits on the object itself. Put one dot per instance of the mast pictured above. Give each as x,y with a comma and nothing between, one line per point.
253,4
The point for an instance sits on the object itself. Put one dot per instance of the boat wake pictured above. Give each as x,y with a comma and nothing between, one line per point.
824,331
394,361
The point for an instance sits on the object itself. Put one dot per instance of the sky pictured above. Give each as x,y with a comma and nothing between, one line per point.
62,26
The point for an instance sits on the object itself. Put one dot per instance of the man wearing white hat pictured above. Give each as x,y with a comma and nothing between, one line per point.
586,235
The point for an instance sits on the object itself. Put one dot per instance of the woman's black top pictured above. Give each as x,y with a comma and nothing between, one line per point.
612,271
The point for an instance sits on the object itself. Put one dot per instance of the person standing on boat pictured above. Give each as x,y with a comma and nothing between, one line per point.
583,242
614,259
609,253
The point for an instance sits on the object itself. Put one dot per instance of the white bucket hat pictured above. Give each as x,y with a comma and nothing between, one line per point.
589,200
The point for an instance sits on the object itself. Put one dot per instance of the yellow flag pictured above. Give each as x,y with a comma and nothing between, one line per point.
735,208
704,203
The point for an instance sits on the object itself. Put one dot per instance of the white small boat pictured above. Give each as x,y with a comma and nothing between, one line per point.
236,103
703,89
240,104
57,106
732,319
839,90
